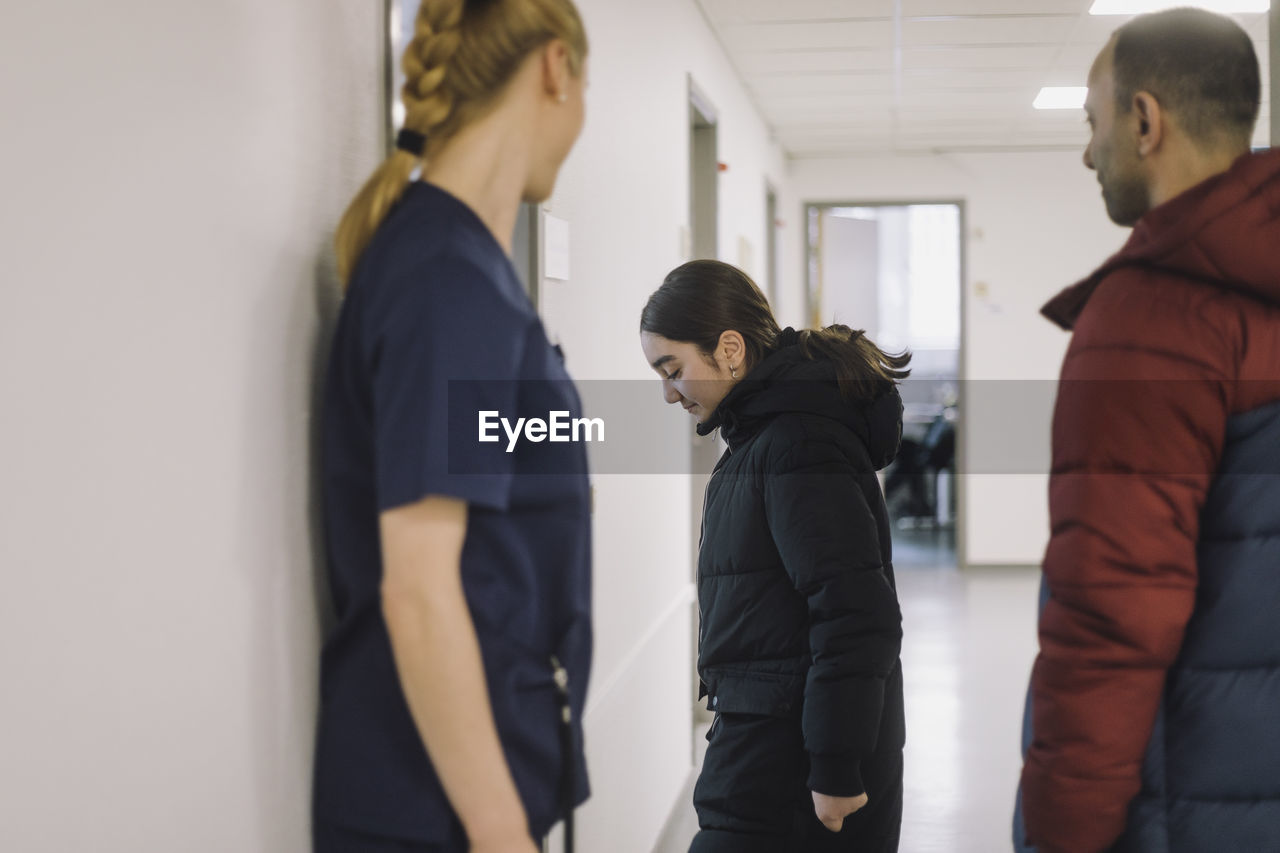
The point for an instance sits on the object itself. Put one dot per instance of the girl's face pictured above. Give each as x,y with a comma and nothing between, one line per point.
688,378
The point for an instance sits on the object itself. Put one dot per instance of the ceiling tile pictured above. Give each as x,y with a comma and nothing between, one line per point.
987,100
826,61
969,56
766,11
969,78
940,8
838,75
807,36
769,86
1046,30
1095,30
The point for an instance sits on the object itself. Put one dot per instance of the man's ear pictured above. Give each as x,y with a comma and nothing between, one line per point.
1151,122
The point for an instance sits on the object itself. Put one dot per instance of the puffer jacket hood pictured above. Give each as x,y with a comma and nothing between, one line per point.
1197,235
787,381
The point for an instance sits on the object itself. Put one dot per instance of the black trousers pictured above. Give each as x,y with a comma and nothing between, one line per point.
752,795
327,838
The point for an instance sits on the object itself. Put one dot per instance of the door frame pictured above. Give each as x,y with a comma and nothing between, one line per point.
704,242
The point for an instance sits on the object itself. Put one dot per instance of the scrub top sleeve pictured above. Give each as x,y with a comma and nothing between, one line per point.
447,348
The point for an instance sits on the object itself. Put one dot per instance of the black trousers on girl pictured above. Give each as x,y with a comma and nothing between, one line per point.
335,839
752,795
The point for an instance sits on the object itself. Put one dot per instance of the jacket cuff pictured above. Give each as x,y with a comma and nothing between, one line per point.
836,775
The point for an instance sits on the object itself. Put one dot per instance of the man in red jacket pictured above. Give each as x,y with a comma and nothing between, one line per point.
1153,719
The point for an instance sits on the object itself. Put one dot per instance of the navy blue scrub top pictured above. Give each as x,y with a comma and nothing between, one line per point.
436,328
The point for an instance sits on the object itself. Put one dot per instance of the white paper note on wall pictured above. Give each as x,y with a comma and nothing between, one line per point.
555,247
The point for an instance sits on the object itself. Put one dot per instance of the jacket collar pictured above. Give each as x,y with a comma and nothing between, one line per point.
1191,233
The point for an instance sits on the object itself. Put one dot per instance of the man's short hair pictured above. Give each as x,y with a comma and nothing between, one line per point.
1199,65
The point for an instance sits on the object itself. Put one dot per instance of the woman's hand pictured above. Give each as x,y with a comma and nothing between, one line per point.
833,810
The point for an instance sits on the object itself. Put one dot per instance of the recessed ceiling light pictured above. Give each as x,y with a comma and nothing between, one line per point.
1061,98
1142,7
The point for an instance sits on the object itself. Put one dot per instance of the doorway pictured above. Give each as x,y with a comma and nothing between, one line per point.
771,226
526,254
896,271
704,243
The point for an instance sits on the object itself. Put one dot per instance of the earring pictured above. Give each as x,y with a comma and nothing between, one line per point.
733,371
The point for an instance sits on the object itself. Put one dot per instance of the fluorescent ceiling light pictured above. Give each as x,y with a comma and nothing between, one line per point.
1142,7
1061,98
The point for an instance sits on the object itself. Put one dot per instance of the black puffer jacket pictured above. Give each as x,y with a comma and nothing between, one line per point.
800,616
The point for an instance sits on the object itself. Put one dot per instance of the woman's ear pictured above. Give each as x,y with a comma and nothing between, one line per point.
732,348
555,69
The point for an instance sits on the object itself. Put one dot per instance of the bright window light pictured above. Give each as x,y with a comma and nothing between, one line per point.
1061,98
1142,7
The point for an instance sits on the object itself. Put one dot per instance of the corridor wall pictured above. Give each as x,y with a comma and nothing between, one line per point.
172,173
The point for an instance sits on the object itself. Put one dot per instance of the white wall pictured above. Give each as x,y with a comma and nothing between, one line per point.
1035,224
625,192
172,173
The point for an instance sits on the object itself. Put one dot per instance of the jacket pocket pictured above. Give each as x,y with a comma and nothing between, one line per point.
759,693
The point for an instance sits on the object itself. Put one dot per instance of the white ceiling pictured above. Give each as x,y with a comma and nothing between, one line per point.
838,77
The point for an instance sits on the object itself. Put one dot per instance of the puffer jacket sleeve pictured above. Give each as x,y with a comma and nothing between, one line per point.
1138,432
816,502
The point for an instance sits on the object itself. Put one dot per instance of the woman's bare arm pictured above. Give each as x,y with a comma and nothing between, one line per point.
441,671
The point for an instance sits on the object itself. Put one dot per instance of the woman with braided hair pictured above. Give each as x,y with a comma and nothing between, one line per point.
453,681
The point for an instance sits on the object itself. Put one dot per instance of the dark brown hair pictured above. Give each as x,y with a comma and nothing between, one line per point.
701,300
1199,65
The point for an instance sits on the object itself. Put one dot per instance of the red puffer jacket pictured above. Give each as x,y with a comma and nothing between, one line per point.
1175,339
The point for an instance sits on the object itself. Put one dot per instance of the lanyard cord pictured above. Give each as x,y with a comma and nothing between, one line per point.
568,758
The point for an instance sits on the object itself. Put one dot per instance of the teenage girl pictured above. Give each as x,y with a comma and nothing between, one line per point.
800,625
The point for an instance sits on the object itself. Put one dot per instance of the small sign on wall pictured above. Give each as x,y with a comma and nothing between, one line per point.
555,247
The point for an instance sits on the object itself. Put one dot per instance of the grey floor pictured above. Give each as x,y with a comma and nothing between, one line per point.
969,639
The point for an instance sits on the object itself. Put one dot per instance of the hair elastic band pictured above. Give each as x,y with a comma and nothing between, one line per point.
412,141
787,337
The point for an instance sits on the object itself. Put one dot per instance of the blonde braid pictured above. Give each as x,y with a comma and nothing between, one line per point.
437,35
436,38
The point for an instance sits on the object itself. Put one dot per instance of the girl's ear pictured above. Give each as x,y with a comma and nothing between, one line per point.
732,348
